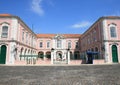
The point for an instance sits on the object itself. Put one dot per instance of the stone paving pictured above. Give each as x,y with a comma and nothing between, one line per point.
60,75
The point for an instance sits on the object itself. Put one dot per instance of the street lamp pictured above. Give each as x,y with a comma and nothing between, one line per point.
68,55
52,49
52,55
68,49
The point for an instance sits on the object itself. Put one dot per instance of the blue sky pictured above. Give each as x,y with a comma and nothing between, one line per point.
60,16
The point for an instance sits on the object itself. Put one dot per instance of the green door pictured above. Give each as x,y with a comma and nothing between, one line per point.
3,54
114,54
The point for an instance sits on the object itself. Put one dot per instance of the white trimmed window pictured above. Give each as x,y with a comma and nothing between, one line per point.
94,36
58,43
48,44
23,36
32,41
113,31
88,39
41,44
29,39
69,44
76,44
4,32
26,37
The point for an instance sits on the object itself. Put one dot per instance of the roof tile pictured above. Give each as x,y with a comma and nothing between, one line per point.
52,35
5,15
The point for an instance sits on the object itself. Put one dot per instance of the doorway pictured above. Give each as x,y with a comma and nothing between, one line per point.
114,54
3,54
59,56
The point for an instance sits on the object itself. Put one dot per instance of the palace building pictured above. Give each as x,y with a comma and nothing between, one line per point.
19,45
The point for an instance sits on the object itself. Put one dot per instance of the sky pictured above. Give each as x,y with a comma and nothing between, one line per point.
60,16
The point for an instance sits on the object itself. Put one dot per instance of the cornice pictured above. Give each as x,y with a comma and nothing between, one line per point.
1,41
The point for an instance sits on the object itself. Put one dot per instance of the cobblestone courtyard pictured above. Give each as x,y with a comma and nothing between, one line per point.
60,75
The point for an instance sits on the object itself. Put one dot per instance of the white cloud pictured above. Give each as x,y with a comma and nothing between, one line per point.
83,24
37,7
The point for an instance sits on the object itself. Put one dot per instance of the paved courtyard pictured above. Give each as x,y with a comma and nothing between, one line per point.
60,75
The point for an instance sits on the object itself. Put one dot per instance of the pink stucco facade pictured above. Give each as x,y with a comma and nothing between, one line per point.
19,45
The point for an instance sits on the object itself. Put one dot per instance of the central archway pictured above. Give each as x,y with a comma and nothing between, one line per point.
3,54
59,55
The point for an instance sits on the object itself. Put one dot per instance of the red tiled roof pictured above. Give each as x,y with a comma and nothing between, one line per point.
64,35
5,15
45,35
72,35
112,17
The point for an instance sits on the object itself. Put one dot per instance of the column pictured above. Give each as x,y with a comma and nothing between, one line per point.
65,56
52,57
106,55
68,57
43,55
18,54
12,53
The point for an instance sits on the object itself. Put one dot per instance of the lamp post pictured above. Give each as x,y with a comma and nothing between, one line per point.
52,49
52,55
103,52
68,55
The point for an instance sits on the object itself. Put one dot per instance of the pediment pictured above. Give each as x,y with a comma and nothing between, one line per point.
58,36
4,23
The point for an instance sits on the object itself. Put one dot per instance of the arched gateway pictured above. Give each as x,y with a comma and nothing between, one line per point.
59,53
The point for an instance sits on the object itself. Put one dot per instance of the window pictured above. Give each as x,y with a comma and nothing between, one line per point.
41,44
69,44
58,43
94,36
23,36
88,40
32,41
48,44
112,31
29,39
26,37
76,44
4,31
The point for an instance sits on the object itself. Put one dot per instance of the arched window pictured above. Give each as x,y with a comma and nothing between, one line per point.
23,36
4,32
26,37
69,44
58,43
48,44
113,31
41,44
94,36
76,44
